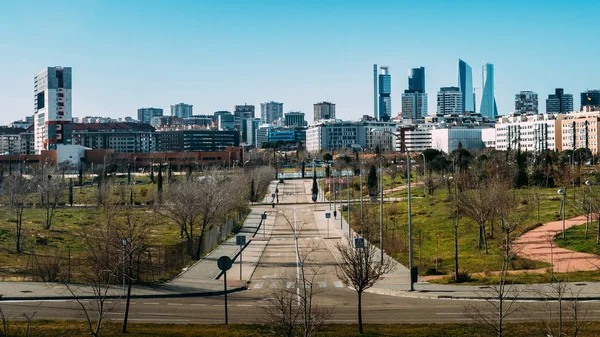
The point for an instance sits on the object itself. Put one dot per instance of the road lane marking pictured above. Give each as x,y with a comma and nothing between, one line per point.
150,303
198,305
322,284
244,305
259,285
290,284
338,284
174,304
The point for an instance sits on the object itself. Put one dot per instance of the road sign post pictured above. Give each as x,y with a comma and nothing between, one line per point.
224,263
359,243
240,240
327,216
264,223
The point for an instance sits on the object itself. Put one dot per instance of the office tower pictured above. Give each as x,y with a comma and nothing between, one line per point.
385,95
249,127
182,110
294,118
488,107
465,84
416,80
217,114
375,94
226,122
449,101
590,98
241,113
271,112
559,102
52,108
414,105
526,103
324,110
145,114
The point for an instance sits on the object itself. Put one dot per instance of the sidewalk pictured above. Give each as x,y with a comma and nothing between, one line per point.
397,283
198,280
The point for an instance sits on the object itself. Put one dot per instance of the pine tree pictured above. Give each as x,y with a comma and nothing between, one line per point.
372,181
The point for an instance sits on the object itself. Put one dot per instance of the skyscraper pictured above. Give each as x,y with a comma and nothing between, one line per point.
182,110
465,84
526,103
449,101
414,105
488,108
590,98
324,110
145,114
271,111
241,113
375,93
294,118
416,79
559,102
52,108
385,95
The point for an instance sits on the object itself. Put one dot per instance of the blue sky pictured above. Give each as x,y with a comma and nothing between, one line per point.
215,54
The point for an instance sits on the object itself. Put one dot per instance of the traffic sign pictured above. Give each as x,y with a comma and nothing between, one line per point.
224,263
359,243
263,216
240,240
327,215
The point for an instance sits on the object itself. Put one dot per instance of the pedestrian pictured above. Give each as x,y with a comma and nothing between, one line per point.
334,214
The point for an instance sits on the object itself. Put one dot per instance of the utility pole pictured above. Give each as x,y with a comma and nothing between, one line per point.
362,219
349,226
381,207
410,241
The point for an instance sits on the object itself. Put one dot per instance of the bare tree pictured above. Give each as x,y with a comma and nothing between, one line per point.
359,268
51,186
292,309
17,190
8,329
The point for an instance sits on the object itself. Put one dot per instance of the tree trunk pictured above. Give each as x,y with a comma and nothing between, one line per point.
360,322
485,245
456,274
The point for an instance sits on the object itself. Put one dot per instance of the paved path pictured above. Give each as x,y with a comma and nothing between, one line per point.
538,244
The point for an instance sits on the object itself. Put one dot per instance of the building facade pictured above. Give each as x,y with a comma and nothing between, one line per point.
532,133
579,130
590,98
449,101
414,105
294,118
347,135
145,115
559,102
53,113
182,110
249,129
385,95
488,107
526,103
324,110
416,79
241,113
271,112
465,84
196,140
120,137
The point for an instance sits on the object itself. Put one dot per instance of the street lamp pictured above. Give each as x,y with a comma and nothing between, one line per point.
589,183
562,209
244,166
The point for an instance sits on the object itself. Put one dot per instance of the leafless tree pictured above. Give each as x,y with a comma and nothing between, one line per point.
197,206
502,295
51,186
360,268
7,328
17,190
262,178
292,309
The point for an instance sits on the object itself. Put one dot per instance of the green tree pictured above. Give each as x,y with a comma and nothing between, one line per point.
372,181
315,186
327,156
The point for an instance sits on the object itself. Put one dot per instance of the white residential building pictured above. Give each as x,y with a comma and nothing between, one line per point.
336,134
449,101
527,132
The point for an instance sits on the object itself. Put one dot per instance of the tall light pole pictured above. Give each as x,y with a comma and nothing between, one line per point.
562,208
410,241
348,181
381,207
362,219
424,175
589,183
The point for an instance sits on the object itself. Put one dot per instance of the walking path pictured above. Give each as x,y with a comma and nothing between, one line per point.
538,244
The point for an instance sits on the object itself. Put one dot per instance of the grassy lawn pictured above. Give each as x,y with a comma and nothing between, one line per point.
72,328
575,239
433,232
65,233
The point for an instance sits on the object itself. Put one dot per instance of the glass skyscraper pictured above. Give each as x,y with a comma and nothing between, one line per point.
416,80
385,92
559,102
465,83
488,101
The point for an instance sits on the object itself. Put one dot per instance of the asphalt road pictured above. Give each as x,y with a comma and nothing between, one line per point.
278,268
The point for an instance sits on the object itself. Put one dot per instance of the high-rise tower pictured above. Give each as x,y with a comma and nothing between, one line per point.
375,93
559,102
385,95
416,79
488,101
465,84
52,108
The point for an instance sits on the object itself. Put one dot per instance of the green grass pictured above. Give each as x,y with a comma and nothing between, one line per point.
433,228
527,278
575,239
77,328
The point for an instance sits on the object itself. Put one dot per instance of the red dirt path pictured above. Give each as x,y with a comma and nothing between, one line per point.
537,244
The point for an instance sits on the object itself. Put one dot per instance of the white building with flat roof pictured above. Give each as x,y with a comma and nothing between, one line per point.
527,132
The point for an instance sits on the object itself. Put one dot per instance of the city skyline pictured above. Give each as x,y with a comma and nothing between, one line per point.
200,75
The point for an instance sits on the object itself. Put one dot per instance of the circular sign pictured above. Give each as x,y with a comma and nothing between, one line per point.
224,263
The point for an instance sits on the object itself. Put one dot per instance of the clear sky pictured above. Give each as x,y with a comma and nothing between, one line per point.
215,54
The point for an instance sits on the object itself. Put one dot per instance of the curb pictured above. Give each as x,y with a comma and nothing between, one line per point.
179,295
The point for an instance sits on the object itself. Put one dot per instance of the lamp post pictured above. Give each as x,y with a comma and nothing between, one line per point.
589,183
381,207
562,208
424,175
134,162
362,219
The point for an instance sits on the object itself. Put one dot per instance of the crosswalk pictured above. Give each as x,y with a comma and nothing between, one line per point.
266,284
299,239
